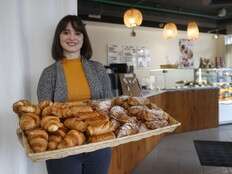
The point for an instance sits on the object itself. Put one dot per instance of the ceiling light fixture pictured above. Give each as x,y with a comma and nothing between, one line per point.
192,31
132,18
170,31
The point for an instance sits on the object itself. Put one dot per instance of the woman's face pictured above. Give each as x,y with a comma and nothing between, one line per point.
70,40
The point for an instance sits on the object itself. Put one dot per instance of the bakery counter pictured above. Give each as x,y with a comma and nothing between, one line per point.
195,108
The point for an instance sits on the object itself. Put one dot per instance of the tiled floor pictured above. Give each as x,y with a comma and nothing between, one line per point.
176,154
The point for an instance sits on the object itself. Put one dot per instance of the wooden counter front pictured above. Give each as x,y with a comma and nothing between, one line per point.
195,109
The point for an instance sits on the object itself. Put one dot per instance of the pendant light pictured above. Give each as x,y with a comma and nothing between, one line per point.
132,18
170,31
192,31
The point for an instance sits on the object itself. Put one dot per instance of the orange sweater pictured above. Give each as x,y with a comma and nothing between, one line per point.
77,84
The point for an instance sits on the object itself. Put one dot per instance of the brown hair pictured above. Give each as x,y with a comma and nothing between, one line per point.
77,24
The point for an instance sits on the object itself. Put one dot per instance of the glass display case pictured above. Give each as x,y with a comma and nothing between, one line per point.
221,78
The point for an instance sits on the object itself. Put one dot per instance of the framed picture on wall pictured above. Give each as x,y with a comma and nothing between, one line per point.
186,53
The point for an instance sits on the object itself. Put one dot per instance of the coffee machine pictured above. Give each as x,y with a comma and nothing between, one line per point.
113,71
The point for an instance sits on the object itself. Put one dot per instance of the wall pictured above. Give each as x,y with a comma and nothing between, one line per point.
101,34
27,28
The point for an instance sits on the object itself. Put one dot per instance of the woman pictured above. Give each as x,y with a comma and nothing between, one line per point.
75,77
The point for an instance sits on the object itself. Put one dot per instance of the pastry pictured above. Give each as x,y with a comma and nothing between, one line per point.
72,138
102,137
19,103
129,128
29,121
51,123
102,118
86,115
135,101
100,129
74,123
119,113
154,124
38,140
103,106
44,104
53,141
137,111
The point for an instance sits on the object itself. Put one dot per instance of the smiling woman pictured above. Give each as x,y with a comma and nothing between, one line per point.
73,77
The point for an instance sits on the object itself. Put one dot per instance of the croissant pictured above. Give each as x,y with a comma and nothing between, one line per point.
19,103
37,133
51,123
38,140
74,123
26,109
29,121
101,129
72,138
53,141
102,137
45,104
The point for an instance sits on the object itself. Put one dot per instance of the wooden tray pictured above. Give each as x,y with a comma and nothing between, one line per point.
61,153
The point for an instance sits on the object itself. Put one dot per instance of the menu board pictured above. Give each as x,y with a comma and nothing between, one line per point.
138,56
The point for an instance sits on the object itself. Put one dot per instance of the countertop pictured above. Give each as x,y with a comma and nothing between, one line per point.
149,93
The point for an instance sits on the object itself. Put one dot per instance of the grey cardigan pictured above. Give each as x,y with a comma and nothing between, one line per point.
52,83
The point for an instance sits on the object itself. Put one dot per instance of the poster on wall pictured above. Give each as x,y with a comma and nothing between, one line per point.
138,56
186,53
143,57
114,53
129,55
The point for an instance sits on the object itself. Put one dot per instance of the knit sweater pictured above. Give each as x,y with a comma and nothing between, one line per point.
52,84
